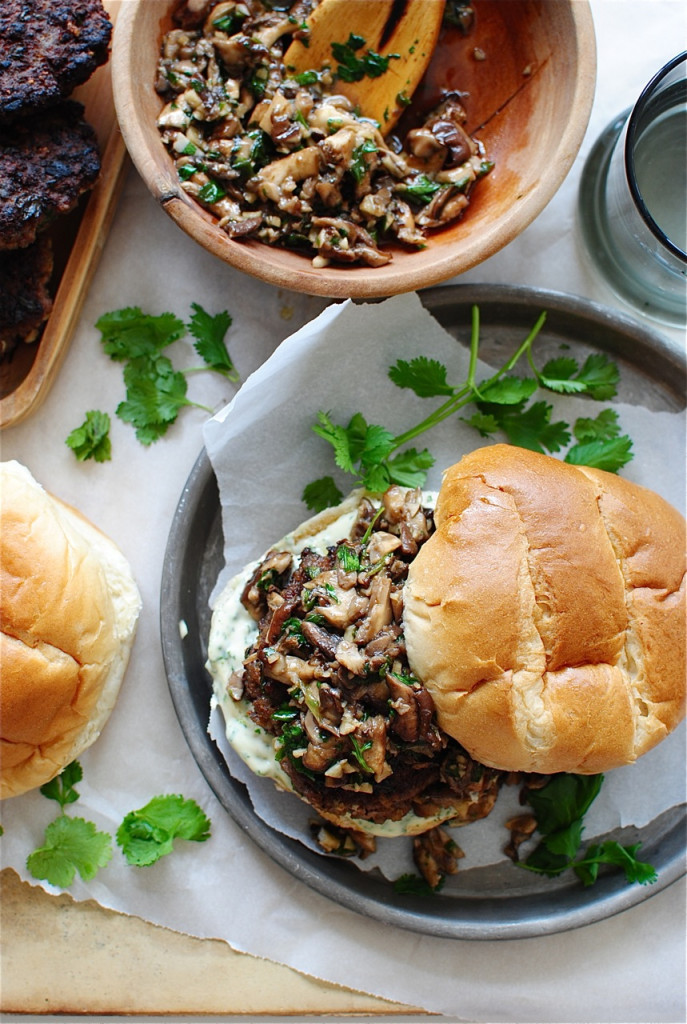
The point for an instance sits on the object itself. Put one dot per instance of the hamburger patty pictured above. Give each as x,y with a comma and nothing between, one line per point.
46,163
24,299
329,676
47,48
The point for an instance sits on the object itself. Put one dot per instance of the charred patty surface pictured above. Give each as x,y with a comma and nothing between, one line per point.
25,302
47,48
46,163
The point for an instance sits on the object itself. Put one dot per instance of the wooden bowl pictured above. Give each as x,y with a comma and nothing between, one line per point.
528,101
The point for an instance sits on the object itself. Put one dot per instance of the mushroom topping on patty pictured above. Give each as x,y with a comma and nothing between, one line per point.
328,675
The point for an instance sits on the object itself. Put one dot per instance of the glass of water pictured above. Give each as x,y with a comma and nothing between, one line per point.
633,199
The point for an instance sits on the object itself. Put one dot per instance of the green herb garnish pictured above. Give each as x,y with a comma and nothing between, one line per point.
415,885
61,788
560,807
421,189
155,390
359,754
92,439
147,834
69,844
377,458
352,65
211,192
348,558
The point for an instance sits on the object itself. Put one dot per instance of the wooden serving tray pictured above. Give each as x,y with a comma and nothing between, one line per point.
78,239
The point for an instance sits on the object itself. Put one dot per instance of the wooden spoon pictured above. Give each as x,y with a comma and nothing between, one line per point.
404,32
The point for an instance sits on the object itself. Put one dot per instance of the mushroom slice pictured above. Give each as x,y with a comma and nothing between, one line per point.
379,612
436,855
275,178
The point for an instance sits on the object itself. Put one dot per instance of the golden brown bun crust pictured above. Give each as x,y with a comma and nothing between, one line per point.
546,615
68,616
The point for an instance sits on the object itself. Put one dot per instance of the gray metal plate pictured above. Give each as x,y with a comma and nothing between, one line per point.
497,902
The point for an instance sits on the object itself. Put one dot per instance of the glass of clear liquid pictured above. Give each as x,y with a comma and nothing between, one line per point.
632,204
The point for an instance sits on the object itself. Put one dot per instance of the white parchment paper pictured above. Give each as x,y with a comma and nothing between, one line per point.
630,968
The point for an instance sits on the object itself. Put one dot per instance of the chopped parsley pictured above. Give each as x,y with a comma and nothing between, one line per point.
354,65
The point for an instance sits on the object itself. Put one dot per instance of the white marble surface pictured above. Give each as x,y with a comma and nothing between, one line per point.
627,968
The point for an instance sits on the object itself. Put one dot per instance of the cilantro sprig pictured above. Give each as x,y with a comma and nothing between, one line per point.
69,844
155,391
503,403
560,807
72,844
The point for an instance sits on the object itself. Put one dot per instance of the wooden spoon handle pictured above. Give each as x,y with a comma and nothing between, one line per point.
404,31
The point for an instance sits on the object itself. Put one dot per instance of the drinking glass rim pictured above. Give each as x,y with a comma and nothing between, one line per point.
637,110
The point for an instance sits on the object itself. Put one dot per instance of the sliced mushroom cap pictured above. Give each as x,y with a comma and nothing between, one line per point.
273,565
373,731
379,612
342,241
380,544
436,855
271,180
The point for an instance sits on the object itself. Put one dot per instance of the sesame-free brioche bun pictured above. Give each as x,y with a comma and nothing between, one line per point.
68,613
546,615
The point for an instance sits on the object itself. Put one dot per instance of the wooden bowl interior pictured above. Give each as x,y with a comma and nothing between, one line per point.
528,101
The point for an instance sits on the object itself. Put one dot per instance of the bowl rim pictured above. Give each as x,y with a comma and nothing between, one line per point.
360,282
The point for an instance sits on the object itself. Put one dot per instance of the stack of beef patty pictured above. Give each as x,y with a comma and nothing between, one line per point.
49,156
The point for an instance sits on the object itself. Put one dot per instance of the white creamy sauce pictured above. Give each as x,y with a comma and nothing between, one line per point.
233,630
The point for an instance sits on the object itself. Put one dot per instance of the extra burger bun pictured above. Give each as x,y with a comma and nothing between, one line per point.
68,615
546,615
233,630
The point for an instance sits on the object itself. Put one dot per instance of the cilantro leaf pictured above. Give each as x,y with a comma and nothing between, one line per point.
414,885
148,833
321,494
92,439
624,857
557,375
421,189
70,845
340,438
507,390
563,800
426,377
559,808
609,455
376,479
351,67
601,376
155,392
61,788
130,333
209,332
409,468
484,423
358,443
377,444
603,427
529,427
